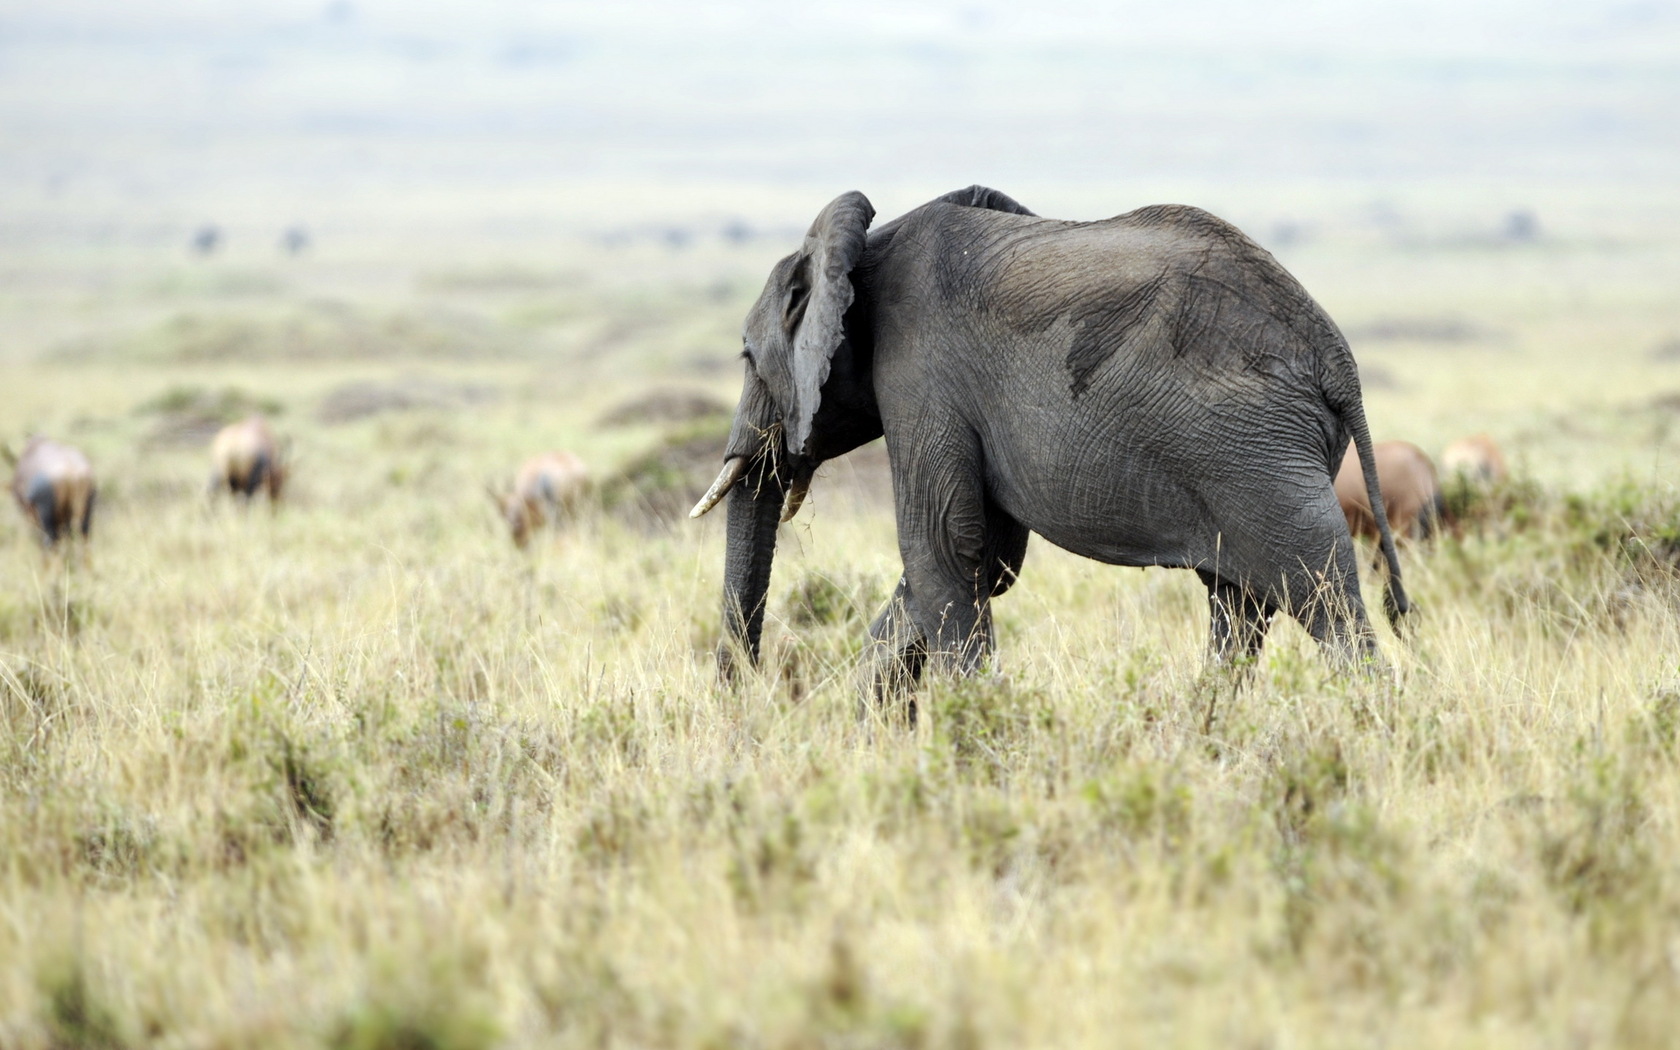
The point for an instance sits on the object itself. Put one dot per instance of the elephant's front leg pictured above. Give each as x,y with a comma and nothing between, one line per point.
899,646
898,650
943,536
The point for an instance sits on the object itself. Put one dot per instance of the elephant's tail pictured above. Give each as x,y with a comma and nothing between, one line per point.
1395,602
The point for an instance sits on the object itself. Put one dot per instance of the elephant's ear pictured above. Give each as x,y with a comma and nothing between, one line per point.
816,297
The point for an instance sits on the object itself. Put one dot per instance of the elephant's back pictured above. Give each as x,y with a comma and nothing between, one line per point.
1164,379
1172,282
1157,320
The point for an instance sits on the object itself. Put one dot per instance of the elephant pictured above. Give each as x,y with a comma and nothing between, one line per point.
1148,390
1410,489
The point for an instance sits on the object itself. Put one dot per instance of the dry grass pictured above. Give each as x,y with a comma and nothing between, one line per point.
360,778
358,775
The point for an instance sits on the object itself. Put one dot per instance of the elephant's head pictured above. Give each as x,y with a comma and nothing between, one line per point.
798,356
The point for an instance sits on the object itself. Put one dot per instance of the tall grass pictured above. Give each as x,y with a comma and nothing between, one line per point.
357,775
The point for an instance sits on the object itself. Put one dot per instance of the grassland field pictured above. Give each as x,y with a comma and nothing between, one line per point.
359,774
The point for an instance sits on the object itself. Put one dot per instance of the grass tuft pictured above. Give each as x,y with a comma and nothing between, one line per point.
77,1019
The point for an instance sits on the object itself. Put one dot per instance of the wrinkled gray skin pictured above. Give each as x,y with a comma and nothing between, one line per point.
1153,389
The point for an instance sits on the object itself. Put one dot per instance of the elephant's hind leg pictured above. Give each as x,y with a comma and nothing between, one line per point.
1001,557
1237,623
1327,603
1005,550
1238,620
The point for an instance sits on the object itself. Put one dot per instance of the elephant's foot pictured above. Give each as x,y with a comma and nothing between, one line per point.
1238,621
898,653
893,672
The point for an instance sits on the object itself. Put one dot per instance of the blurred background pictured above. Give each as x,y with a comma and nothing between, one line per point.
1470,187
273,111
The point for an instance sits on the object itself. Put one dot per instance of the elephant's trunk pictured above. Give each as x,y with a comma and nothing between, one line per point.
755,509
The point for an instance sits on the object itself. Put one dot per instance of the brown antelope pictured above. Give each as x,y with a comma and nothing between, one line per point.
54,487
1476,460
547,487
1410,491
245,457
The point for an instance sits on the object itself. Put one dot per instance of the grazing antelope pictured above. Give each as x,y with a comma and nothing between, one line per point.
547,487
245,457
1410,491
1476,460
54,487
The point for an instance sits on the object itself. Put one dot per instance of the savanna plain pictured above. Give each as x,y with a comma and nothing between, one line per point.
360,774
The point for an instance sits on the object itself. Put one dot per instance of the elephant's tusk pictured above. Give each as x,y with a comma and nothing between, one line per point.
796,497
732,471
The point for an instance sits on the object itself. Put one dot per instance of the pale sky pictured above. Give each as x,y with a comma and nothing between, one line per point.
471,93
